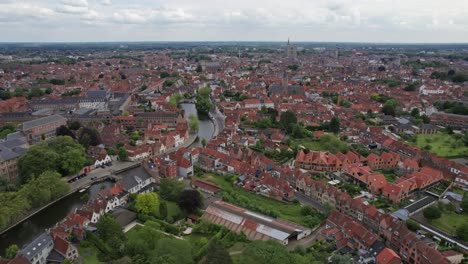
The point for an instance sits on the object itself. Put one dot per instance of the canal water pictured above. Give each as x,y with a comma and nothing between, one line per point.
32,227
205,126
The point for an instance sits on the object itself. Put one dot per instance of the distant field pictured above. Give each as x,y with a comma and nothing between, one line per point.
442,144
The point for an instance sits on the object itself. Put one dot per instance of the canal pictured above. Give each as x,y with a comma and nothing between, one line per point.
205,125
32,227
35,225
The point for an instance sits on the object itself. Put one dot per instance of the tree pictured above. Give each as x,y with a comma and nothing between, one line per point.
297,131
381,68
170,189
462,232
287,120
109,230
123,154
203,142
389,109
412,225
147,203
203,102
74,125
190,200
175,99
432,213
163,210
341,259
38,159
199,68
89,137
11,251
216,253
415,112
193,123
335,125
164,75
464,204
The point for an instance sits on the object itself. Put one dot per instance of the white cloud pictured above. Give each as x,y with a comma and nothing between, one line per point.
317,20
75,3
69,9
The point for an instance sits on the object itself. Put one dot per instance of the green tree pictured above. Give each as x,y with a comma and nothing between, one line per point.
163,210
123,154
287,120
389,109
11,251
204,142
109,230
199,68
170,189
432,212
203,102
297,131
335,125
147,203
164,75
193,123
415,112
464,204
412,225
341,259
462,232
175,99
190,201
216,253
38,159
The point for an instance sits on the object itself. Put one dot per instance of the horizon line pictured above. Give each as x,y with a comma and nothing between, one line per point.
232,41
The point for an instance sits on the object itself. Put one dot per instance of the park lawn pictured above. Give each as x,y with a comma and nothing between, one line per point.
442,144
89,255
449,222
172,209
288,211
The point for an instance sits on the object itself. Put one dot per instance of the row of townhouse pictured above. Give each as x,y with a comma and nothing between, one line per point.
401,189
397,236
325,161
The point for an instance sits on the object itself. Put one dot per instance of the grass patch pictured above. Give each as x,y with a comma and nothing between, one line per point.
442,144
291,212
449,222
173,209
89,255
238,246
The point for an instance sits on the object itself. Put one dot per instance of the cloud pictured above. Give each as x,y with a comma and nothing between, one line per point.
160,15
75,3
345,20
10,12
69,9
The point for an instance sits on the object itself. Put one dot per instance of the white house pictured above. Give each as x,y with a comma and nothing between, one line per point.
102,159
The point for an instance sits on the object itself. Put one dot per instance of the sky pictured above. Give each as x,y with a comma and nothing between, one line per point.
381,21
